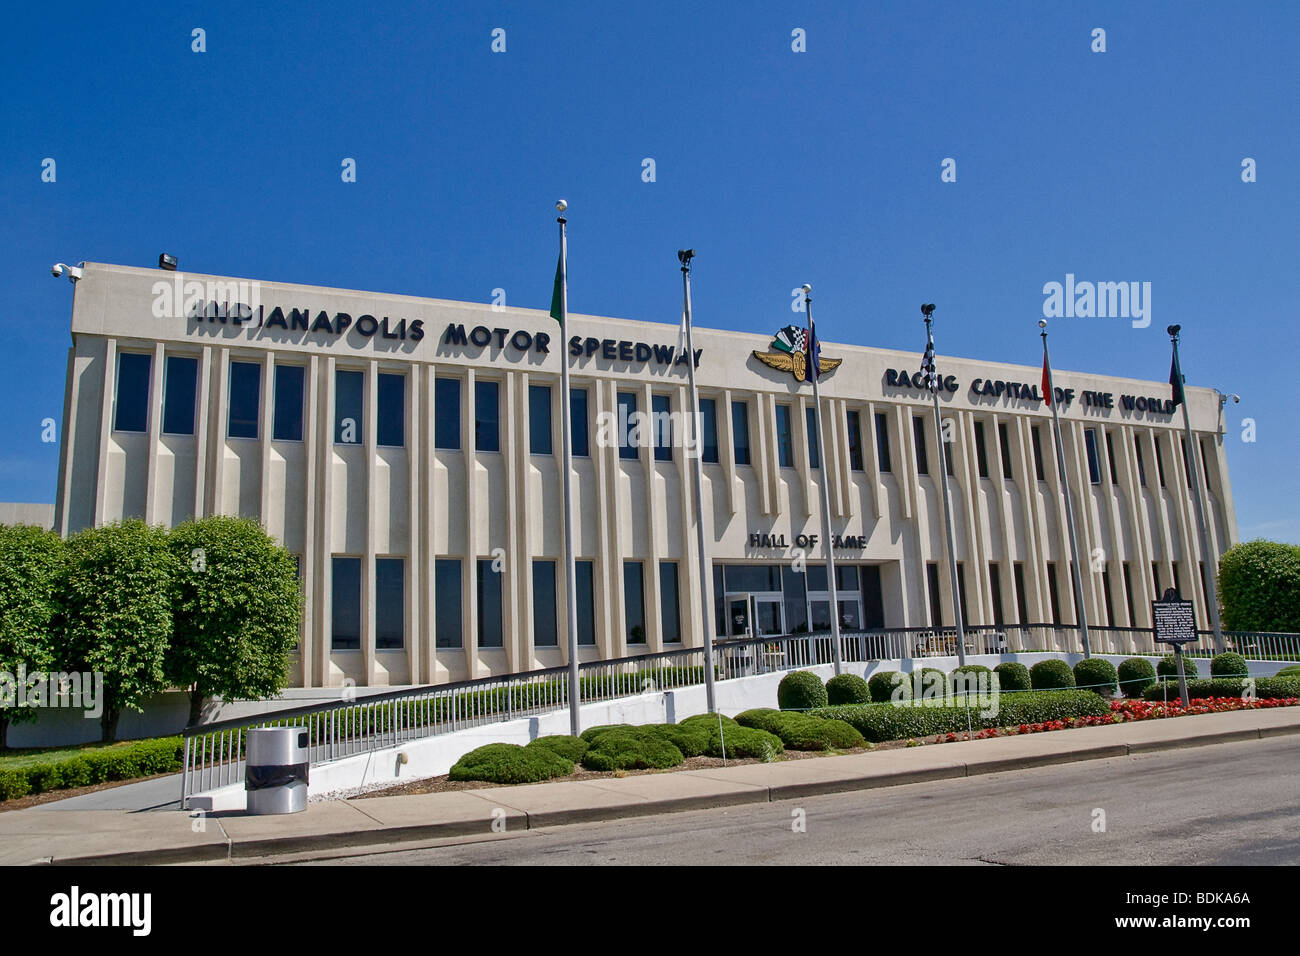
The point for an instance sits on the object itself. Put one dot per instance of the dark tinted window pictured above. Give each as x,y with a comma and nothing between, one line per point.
288,403
634,601
981,451
669,606
814,444
539,419
626,425
390,603
446,414
578,420
545,633
784,437
740,428
131,413
489,605
446,581
855,440
348,406
586,592
390,429
1094,462
709,430
882,442
662,407
1005,444
245,397
922,455
487,431
1038,452
179,389
345,613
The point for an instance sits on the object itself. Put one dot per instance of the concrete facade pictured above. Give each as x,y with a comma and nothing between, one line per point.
412,501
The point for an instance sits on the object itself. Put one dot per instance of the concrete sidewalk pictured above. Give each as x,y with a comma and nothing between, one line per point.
119,837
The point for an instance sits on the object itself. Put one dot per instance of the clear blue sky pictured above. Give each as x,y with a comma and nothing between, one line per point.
778,167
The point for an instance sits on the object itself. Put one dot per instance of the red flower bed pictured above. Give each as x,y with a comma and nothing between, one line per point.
1122,711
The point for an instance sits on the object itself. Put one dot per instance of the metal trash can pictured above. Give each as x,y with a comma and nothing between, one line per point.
275,770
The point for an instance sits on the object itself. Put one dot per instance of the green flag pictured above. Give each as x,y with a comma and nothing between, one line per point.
557,293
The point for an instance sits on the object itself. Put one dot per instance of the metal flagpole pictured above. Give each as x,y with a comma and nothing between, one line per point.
566,415
706,577
1211,569
1069,508
943,480
814,369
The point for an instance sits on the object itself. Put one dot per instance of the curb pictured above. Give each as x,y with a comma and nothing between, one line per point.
759,794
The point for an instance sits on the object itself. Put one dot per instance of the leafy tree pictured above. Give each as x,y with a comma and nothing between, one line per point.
31,566
116,617
1259,585
236,605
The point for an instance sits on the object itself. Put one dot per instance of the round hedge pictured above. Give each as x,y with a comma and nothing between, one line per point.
1135,675
570,748
1096,674
1167,666
691,740
631,748
847,689
1051,674
801,690
933,681
1229,665
708,721
591,733
803,731
738,742
1259,586
977,676
1013,675
882,685
510,763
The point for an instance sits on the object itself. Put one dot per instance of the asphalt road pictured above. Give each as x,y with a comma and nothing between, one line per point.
1236,803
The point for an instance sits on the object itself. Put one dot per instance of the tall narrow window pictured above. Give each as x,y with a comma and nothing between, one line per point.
489,605
1004,445
918,434
446,416
740,429
1022,597
634,601
627,430
539,420
981,451
784,438
1128,594
180,383
391,429
578,422
131,409
669,607
936,602
1181,445
662,426
348,406
995,587
545,625
961,590
1038,453
586,591
390,603
1205,467
882,442
1110,457
855,440
447,616
1155,578
345,604
487,431
1053,592
1160,460
245,398
1142,467
814,457
709,430
1094,461
287,425
1110,603
947,439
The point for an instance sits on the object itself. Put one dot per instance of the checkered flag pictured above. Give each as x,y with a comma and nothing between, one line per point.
927,366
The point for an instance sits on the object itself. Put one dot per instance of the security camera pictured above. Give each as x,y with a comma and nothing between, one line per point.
60,268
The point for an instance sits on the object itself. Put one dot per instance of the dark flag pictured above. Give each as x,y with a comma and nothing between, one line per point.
1047,388
927,366
557,292
814,353
1176,380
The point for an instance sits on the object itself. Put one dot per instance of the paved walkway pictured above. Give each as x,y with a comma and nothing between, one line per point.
87,836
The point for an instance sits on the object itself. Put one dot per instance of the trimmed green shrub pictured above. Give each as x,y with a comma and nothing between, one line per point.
1266,688
803,731
126,761
1135,675
13,784
738,742
1229,665
801,690
591,733
1012,675
510,763
882,685
708,721
971,677
1291,671
931,677
1167,666
1096,674
1051,674
847,689
631,748
570,748
880,722
691,741
1259,585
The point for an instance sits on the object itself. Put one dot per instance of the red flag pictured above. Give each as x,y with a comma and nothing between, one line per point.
1047,388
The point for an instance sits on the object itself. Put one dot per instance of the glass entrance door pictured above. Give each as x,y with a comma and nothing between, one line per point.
754,615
